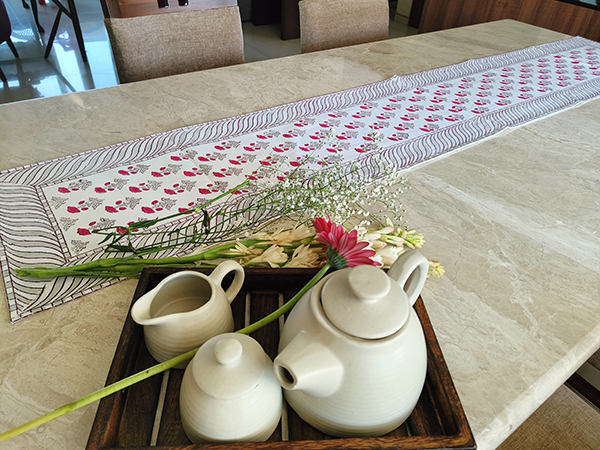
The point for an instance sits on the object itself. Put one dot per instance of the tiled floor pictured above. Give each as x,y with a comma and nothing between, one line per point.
32,76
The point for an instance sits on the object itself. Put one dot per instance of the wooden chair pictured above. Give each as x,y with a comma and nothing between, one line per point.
34,10
169,44
5,32
564,422
326,24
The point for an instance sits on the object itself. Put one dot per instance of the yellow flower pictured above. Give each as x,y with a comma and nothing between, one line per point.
273,256
241,250
394,240
436,270
388,254
386,230
286,237
305,256
412,239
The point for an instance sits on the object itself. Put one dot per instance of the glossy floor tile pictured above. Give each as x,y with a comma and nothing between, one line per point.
31,75
64,71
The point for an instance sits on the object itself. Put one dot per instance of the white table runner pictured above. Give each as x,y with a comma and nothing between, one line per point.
48,210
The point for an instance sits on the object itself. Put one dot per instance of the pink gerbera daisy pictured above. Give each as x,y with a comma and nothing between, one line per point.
342,248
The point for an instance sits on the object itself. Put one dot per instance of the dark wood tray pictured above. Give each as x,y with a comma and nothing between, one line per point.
147,414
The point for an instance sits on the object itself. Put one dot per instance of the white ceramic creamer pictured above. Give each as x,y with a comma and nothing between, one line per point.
229,392
352,354
186,309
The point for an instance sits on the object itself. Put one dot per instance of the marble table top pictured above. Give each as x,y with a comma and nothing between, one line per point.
514,220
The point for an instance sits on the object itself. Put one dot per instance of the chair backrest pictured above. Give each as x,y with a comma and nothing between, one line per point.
134,8
5,28
169,44
326,24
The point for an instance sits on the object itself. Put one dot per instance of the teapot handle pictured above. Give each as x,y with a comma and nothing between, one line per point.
410,272
222,270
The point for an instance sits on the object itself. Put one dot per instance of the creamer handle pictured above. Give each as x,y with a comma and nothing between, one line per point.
410,272
222,270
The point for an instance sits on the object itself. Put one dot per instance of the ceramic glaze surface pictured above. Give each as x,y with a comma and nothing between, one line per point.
350,386
229,392
186,309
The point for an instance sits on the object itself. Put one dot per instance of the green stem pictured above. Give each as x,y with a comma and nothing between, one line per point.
159,368
127,265
117,237
287,306
108,390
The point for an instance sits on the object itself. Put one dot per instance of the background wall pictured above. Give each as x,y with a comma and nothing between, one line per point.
552,14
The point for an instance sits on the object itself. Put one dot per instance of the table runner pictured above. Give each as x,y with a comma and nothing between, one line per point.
48,210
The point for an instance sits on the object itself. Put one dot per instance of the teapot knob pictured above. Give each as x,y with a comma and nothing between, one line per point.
369,283
228,351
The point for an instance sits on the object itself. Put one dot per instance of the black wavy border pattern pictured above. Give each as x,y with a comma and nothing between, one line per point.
25,297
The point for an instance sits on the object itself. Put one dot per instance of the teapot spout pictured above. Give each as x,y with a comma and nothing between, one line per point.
308,366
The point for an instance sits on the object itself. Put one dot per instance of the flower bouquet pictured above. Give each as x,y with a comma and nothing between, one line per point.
299,195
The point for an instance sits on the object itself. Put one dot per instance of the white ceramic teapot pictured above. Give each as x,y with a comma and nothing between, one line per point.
229,392
352,353
186,309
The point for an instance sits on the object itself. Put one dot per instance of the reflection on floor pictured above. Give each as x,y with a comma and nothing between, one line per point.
32,76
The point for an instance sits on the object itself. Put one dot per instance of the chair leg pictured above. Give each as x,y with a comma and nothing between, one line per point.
12,47
34,9
71,13
3,77
77,28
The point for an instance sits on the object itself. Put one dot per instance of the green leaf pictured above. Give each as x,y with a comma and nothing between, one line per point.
143,224
206,221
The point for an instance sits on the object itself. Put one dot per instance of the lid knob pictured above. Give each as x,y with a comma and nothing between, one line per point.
229,365
364,302
228,351
369,283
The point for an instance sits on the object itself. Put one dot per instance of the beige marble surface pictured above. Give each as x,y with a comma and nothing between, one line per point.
514,219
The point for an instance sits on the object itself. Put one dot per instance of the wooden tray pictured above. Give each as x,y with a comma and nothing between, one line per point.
147,414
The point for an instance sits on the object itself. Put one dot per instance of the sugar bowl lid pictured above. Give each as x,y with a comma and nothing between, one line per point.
229,365
365,303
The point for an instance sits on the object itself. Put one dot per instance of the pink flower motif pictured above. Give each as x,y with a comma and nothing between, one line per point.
73,210
147,210
83,232
134,189
343,249
63,190
100,190
111,209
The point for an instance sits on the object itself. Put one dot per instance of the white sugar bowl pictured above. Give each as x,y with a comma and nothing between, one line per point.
229,392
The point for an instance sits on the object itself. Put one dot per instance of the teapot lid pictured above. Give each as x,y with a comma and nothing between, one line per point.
365,303
229,365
